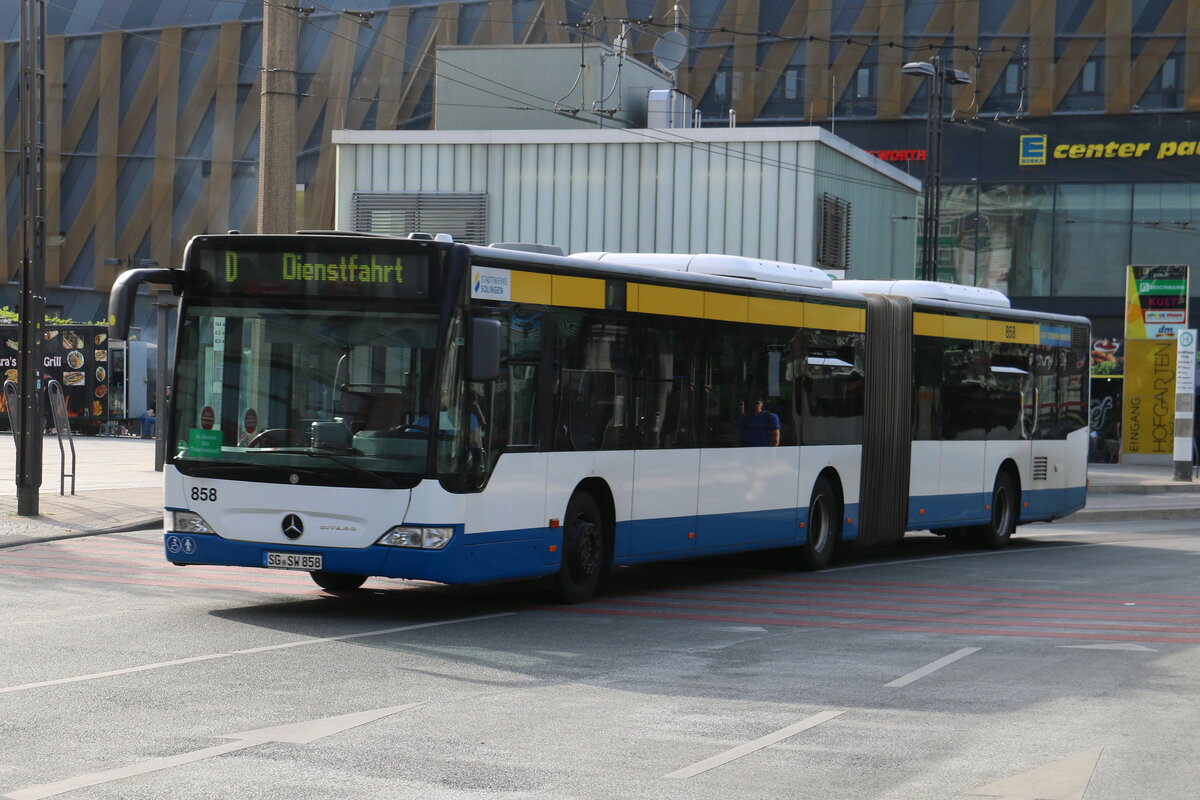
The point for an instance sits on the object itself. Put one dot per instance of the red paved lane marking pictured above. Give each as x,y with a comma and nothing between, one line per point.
984,624
790,623
933,588
934,607
919,598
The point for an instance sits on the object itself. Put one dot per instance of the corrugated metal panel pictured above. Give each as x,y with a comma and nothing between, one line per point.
463,215
639,194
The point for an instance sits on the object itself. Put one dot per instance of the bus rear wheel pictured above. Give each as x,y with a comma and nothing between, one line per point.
823,526
338,581
996,533
582,551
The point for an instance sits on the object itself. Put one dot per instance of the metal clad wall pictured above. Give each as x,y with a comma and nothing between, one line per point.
880,240
753,198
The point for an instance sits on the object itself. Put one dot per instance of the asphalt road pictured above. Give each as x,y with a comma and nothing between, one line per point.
1064,667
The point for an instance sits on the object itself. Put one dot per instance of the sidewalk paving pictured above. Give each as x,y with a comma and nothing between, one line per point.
117,489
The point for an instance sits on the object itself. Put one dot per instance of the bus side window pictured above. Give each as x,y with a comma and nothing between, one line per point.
965,390
524,357
927,380
594,359
666,381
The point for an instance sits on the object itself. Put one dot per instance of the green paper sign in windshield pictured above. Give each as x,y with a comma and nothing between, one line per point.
204,444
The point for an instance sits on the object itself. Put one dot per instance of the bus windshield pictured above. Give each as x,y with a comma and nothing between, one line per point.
270,391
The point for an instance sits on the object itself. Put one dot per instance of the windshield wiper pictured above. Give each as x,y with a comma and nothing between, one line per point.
315,452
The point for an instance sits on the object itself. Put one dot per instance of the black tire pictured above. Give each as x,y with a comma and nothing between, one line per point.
338,581
583,549
823,526
996,533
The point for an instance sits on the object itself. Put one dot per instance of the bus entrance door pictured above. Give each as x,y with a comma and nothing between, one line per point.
664,501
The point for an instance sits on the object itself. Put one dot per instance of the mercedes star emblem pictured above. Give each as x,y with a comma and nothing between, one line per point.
293,526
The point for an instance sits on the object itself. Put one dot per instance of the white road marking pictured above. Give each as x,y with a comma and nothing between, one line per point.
916,675
1115,646
745,629
1066,779
247,651
757,744
296,733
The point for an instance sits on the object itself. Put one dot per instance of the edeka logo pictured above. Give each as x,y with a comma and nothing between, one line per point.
491,284
1033,150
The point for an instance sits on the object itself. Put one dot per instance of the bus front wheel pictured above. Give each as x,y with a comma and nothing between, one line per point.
338,581
582,551
997,532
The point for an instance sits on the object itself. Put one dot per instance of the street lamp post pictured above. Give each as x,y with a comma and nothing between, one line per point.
937,76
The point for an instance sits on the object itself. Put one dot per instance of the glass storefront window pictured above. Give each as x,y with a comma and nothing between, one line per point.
1014,235
1091,239
958,235
1165,228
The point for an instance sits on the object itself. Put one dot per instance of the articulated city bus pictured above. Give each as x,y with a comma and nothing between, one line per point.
356,406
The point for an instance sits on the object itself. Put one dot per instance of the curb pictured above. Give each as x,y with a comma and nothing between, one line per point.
1144,488
1130,515
144,525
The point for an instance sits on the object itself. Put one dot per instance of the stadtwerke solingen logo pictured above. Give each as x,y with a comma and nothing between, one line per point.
491,284
1033,150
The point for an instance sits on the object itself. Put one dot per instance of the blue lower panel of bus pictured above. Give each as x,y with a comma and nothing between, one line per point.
503,555
681,537
473,559
971,509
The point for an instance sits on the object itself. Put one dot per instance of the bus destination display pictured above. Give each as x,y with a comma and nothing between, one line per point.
333,274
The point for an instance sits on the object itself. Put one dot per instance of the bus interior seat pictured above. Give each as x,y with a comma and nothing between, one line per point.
375,411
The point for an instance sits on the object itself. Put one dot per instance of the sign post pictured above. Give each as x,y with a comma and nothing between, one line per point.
1156,312
1185,380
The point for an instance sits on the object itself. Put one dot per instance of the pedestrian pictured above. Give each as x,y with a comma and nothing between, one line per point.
760,428
147,419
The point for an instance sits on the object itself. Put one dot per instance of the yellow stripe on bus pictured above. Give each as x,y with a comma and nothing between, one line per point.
569,290
945,326
531,287
671,301
727,307
1013,332
966,328
835,318
929,325
765,311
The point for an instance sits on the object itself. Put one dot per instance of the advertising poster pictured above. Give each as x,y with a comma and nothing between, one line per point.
76,357
1148,409
1108,357
1156,310
1156,302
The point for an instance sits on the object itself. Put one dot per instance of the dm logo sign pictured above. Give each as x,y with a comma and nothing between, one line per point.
1033,150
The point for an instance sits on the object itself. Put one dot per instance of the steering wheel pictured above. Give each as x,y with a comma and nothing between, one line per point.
275,437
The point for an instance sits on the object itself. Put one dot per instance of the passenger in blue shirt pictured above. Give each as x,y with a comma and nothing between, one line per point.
760,428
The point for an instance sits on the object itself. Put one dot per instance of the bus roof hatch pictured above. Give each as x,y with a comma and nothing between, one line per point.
755,269
930,290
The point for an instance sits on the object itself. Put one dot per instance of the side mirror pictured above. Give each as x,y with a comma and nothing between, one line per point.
124,294
485,350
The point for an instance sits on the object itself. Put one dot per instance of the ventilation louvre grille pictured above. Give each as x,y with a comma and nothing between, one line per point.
463,215
1041,467
833,252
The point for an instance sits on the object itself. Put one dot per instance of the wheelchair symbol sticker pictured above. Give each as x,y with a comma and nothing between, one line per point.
181,544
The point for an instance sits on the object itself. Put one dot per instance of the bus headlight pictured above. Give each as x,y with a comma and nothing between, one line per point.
423,538
187,522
